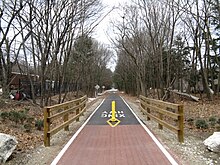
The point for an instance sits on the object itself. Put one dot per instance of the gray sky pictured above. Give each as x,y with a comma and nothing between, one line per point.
104,28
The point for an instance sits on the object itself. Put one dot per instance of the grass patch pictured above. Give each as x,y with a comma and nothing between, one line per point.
201,124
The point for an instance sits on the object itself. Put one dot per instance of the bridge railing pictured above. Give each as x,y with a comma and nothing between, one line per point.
60,116
165,114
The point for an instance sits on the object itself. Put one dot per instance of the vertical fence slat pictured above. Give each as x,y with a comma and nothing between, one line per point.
160,126
66,118
142,105
46,127
84,105
181,125
77,111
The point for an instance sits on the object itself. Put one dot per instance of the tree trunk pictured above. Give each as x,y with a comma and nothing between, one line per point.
204,79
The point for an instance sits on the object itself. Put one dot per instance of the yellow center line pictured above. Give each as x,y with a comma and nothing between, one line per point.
113,121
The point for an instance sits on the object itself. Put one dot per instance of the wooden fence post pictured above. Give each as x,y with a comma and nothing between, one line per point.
84,105
148,111
66,118
181,124
160,126
46,127
77,111
142,106
160,116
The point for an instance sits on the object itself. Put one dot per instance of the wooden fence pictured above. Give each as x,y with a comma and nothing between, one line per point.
166,114
60,116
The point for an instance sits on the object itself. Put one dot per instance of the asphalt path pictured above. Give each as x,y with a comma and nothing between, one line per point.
129,143
104,112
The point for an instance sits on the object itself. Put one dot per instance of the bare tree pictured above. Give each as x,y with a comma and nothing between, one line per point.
9,11
197,20
54,30
164,59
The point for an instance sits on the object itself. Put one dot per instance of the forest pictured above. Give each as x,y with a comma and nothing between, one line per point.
169,44
50,43
160,46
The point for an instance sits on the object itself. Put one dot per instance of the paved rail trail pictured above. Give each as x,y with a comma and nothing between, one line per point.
128,143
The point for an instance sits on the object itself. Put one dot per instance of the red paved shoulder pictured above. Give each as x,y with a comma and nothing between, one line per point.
122,145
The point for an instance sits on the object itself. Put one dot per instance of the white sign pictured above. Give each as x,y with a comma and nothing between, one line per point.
97,87
118,114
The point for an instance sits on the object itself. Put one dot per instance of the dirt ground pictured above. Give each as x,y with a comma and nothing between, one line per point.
30,149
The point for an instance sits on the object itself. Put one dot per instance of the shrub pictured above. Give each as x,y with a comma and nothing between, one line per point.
14,116
218,121
212,121
4,115
21,117
201,124
39,124
17,116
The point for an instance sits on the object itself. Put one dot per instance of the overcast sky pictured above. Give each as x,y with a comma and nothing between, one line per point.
104,28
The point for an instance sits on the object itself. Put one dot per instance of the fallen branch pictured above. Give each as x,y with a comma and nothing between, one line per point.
194,98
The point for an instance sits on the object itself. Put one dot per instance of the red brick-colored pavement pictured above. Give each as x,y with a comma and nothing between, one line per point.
121,145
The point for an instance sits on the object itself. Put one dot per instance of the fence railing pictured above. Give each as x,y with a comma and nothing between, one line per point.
60,116
165,114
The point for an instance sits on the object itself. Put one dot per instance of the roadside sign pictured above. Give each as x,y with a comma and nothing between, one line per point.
97,87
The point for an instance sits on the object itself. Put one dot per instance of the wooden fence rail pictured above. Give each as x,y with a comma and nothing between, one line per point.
60,116
166,114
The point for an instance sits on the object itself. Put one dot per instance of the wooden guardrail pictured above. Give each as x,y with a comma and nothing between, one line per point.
60,116
163,112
